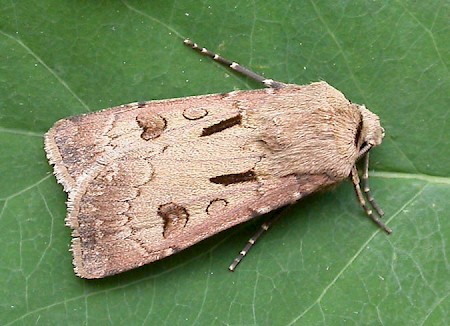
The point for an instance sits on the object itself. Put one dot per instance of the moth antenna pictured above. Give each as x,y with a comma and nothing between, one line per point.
362,202
235,66
263,228
366,187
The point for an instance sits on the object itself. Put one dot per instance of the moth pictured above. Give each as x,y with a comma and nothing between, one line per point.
148,179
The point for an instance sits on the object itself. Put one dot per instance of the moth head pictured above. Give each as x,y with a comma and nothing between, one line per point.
371,133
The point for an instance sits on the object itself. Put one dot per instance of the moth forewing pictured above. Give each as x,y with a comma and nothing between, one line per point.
146,180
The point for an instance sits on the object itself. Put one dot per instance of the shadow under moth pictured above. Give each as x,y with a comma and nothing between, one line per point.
148,179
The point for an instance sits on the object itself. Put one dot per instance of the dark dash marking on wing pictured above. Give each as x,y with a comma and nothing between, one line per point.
228,179
222,125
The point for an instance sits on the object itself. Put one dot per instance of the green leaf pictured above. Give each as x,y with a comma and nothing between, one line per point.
323,264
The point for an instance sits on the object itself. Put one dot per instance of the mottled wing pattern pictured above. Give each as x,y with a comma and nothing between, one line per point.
146,180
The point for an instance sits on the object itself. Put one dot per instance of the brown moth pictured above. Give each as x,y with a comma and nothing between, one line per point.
146,180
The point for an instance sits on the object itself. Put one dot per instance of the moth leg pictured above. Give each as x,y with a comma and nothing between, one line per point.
366,187
235,66
263,228
363,151
362,202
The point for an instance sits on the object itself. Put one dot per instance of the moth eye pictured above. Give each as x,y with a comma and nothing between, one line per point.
358,132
